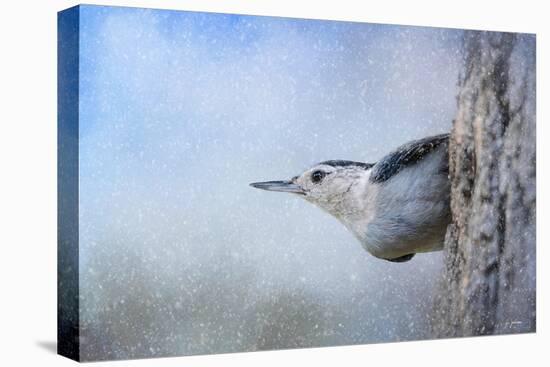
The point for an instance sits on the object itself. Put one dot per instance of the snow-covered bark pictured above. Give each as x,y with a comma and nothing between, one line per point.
489,282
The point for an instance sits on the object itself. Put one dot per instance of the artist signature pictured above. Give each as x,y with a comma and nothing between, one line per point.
511,324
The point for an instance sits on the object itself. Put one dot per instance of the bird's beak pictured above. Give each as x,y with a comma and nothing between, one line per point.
282,186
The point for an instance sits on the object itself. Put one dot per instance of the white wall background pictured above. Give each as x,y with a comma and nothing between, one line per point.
28,185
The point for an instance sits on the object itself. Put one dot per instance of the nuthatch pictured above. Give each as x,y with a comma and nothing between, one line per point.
396,207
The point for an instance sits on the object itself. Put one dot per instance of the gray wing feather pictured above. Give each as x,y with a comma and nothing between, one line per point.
406,155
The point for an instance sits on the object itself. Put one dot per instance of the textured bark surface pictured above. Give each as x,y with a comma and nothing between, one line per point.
489,280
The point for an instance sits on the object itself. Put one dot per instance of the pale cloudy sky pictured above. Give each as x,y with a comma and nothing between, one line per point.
180,111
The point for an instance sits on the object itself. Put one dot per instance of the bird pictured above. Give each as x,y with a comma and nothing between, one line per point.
396,207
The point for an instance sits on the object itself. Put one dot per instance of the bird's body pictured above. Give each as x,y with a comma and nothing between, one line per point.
396,207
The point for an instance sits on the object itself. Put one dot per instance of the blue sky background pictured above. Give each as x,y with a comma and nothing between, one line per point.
179,111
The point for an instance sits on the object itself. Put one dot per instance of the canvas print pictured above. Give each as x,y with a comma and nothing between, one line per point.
235,183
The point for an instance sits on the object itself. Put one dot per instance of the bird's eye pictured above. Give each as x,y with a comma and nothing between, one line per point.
317,176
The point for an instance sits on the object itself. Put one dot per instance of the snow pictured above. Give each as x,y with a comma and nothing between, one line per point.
179,112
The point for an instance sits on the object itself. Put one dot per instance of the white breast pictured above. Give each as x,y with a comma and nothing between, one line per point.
406,214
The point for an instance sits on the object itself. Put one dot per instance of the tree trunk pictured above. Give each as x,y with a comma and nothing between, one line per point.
489,281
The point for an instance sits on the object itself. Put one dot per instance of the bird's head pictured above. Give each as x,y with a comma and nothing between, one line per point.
327,184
